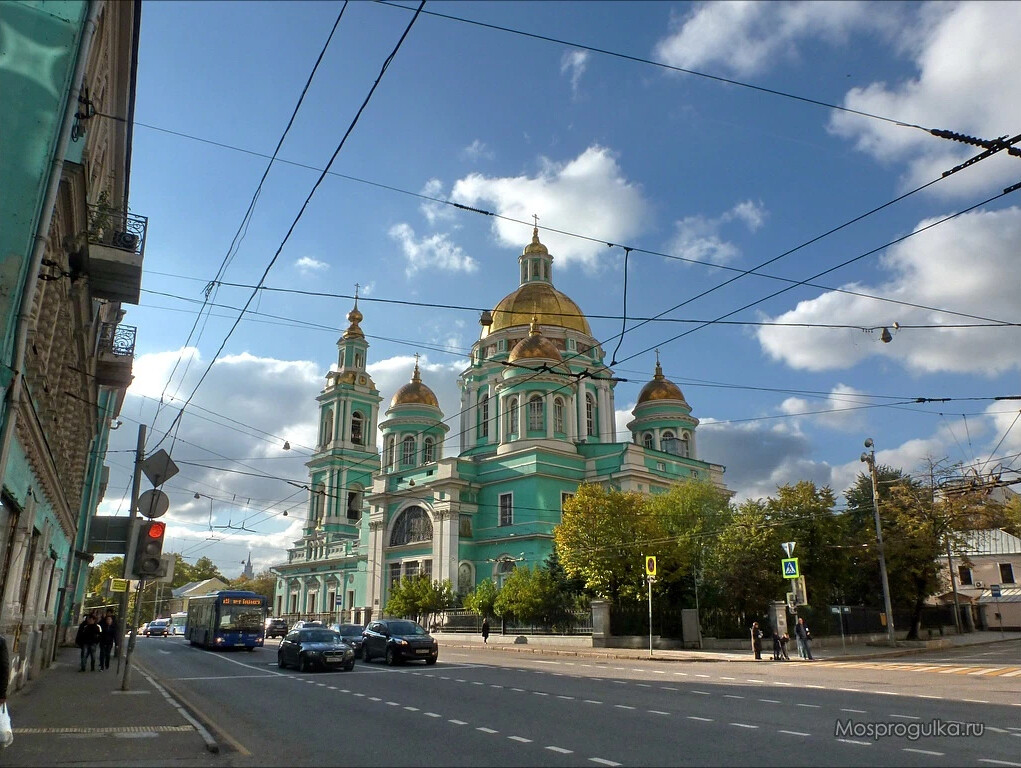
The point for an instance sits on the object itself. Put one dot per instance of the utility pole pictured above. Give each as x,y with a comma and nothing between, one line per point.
129,558
870,458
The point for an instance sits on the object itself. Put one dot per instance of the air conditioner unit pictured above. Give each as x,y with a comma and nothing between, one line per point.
125,240
980,584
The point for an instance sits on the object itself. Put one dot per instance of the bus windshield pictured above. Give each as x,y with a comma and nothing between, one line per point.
241,617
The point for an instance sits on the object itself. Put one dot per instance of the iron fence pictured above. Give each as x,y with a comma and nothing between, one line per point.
116,339
633,619
462,620
124,231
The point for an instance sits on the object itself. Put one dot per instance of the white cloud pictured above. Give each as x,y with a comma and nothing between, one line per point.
965,55
307,265
937,268
432,210
744,38
842,410
698,237
431,251
588,194
574,64
478,150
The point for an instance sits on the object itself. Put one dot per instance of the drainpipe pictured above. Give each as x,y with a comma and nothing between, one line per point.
14,396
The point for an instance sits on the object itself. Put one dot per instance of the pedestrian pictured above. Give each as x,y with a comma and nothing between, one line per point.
485,631
107,639
777,651
804,639
88,640
784,639
757,640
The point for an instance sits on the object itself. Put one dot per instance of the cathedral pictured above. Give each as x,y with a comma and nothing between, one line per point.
536,420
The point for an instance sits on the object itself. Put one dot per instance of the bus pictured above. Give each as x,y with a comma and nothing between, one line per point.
227,619
178,621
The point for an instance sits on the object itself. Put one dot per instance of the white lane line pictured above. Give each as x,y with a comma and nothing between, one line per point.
459,680
770,701
344,690
808,706
618,669
795,733
858,711
494,685
522,739
623,706
519,690
728,678
743,725
619,682
360,695
809,685
592,701
374,698
732,696
698,675
923,751
682,674
585,665
780,682
657,712
412,709
457,722
849,690
547,662
750,680
602,762
700,719
392,704
643,685
486,730
668,688
986,671
927,696
566,697
431,714
997,762
905,717
476,682
659,672
702,693
855,741
540,693
561,750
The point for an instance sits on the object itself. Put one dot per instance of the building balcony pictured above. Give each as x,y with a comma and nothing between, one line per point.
116,247
115,353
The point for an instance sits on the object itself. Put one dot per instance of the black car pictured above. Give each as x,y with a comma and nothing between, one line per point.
352,635
157,628
276,628
309,649
398,640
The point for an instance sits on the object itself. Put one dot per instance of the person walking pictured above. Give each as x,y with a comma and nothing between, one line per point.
88,640
784,639
485,631
777,651
757,640
804,639
107,639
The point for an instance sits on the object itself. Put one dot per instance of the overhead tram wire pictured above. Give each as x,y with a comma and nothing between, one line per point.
246,219
251,298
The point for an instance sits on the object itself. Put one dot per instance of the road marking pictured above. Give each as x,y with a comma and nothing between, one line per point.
623,706
700,719
905,717
344,690
702,693
986,671
1015,673
374,698
859,711
392,704
682,674
457,722
668,688
698,675
780,682
997,762
561,750
486,730
809,685
808,706
540,693
566,697
727,678
459,680
657,712
770,701
522,739
659,672
619,682
332,687
476,682
751,680
360,695
854,741
849,690
494,685
953,670
643,685
220,677
431,714
732,696
927,696
795,733
412,709
744,725
592,701
519,690
444,677
601,761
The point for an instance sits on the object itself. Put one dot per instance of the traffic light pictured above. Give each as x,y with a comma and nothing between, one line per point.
148,549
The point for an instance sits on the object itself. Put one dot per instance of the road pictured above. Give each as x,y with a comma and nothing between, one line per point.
489,707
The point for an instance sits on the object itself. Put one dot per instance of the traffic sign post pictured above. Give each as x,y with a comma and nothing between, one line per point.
995,590
650,576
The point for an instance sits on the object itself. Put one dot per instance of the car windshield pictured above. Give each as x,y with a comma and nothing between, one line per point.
154,624
351,630
318,636
405,628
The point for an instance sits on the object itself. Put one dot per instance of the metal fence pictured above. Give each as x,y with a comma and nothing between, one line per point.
633,619
461,620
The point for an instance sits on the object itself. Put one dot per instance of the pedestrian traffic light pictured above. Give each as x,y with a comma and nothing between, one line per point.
148,549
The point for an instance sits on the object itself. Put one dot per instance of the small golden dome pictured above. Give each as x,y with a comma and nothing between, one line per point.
535,248
415,393
354,317
535,347
660,388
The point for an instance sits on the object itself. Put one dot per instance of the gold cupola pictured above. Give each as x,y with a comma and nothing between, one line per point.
415,392
535,346
660,388
354,317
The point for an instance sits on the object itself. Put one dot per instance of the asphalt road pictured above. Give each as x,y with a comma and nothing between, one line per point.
494,708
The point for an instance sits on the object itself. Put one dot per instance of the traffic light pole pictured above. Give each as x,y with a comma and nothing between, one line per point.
134,633
129,559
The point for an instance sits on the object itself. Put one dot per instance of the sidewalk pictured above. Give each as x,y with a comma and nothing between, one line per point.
68,717
506,643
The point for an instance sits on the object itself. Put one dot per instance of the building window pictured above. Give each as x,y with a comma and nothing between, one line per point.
464,526
429,451
564,498
318,499
647,440
964,574
590,416
558,415
412,526
356,428
1006,573
390,453
506,509
408,451
395,574
524,271
535,414
427,569
358,359
354,505
327,429
512,417
684,443
668,443
504,568
484,416
661,466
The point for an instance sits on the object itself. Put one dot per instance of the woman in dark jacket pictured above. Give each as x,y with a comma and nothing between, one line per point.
107,640
757,640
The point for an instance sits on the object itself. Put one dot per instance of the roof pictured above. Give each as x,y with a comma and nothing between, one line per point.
197,588
991,541
1012,595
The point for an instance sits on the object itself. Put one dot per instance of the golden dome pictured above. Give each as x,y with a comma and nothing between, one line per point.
550,306
660,388
415,393
535,248
535,347
354,317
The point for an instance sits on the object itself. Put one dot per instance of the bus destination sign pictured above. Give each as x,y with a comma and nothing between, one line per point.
241,601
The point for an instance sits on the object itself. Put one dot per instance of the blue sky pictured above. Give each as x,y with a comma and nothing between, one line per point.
715,176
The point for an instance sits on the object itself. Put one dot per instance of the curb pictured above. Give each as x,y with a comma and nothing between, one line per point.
207,737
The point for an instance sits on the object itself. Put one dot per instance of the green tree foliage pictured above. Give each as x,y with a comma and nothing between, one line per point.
602,537
418,598
263,583
205,568
532,596
482,599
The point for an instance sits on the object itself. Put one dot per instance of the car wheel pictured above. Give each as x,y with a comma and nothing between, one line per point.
430,661
349,666
391,658
365,654
303,664
280,661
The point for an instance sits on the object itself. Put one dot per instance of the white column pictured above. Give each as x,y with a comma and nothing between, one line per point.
463,433
523,415
549,415
342,491
580,411
501,418
472,416
571,414
321,595
606,425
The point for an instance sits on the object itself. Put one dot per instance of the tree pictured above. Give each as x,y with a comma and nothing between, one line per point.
418,598
205,568
532,595
482,599
602,537
263,583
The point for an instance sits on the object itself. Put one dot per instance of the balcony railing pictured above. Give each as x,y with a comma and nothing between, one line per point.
117,340
123,231
115,253
115,352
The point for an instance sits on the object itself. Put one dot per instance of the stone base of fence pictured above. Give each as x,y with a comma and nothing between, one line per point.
642,641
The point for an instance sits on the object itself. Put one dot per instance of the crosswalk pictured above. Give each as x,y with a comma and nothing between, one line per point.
921,666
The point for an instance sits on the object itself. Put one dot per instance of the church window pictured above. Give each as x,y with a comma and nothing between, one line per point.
390,443
558,415
358,359
506,509
413,525
317,503
429,451
408,451
484,416
356,428
512,416
668,443
395,574
535,413
504,568
590,415
327,427
354,505
524,271
647,440
684,445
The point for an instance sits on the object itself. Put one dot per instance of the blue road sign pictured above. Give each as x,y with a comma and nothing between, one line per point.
790,568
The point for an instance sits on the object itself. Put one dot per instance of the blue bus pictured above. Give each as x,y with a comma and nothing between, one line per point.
227,619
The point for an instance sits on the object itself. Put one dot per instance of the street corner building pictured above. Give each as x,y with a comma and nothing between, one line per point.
70,259
536,420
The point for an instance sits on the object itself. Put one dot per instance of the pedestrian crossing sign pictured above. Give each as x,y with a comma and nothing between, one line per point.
790,568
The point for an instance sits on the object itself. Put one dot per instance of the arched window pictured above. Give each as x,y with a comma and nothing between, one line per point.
484,416
428,451
408,451
535,414
354,505
647,440
327,428
413,525
504,568
524,271
317,504
590,415
390,443
358,359
512,416
356,428
668,443
558,415
685,444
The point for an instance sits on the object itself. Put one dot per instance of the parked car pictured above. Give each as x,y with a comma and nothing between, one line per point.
305,624
158,628
398,640
352,634
276,628
315,648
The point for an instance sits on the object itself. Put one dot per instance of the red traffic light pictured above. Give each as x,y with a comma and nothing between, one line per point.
156,530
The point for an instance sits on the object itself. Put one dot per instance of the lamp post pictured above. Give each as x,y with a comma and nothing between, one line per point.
869,457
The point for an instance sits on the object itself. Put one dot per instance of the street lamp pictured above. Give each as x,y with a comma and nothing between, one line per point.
869,457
